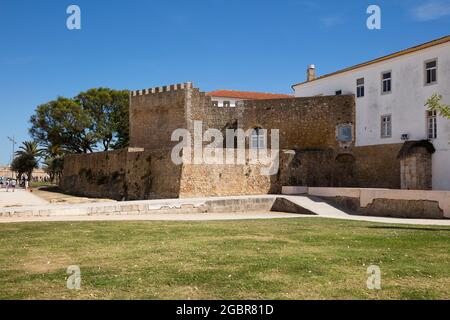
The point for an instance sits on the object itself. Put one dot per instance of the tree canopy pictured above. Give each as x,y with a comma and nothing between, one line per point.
97,117
27,159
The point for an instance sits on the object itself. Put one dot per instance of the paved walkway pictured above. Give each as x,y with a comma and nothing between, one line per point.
19,197
160,217
79,212
221,217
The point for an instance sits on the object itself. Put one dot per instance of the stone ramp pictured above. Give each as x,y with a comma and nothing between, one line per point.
316,206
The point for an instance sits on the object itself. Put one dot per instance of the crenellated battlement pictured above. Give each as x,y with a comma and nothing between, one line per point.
173,87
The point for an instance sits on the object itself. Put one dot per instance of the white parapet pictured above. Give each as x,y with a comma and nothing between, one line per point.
294,190
368,195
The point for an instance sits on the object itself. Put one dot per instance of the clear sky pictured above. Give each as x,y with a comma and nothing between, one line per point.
252,45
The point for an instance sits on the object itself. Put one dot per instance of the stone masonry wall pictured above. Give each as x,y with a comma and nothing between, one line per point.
124,174
377,166
416,170
155,114
310,152
100,175
308,126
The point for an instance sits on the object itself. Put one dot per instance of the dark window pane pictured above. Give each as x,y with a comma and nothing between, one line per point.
431,64
345,134
433,75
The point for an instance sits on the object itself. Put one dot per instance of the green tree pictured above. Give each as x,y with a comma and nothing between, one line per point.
27,159
434,103
54,167
79,125
54,161
63,122
108,110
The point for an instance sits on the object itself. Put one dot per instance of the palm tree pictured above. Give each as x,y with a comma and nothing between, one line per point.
29,148
29,153
54,161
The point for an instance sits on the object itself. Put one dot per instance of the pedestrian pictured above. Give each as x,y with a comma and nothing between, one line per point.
13,185
7,185
26,184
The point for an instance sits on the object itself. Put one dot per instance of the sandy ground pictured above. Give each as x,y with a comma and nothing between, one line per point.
19,198
54,196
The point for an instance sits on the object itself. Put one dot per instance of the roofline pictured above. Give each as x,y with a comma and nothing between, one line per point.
419,47
274,95
230,97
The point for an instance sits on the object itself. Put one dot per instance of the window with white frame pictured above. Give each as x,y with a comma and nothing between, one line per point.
360,88
386,82
258,139
386,126
431,72
226,104
432,124
338,92
215,103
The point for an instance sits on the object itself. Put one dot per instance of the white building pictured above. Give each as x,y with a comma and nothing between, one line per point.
231,98
391,92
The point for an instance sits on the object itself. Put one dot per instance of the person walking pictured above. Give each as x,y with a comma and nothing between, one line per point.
7,184
13,185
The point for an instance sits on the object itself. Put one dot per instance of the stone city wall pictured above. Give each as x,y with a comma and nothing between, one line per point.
308,127
124,174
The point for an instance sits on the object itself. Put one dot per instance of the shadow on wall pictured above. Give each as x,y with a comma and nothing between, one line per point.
319,168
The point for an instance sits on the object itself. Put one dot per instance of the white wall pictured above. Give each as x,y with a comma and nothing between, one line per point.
405,103
220,100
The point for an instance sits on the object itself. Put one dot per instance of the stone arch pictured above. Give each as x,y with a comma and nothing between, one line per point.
416,165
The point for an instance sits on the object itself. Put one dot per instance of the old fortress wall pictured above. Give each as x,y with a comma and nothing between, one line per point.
310,152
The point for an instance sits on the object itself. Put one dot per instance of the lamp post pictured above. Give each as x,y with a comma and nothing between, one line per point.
13,142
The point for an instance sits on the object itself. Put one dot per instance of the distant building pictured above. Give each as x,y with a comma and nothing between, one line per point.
390,95
232,98
38,174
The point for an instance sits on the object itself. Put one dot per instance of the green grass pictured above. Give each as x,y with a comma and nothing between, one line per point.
308,258
38,184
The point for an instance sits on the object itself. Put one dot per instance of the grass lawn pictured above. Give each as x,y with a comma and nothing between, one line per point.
307,258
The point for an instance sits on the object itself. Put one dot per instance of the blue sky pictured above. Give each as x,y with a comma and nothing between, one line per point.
218,44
